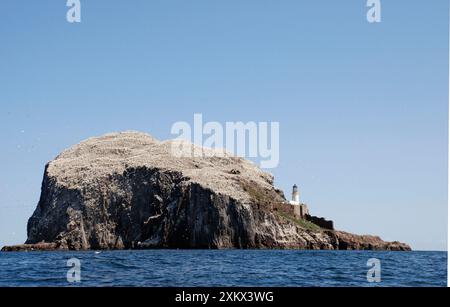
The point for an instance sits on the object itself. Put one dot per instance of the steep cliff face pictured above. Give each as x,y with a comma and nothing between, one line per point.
128,190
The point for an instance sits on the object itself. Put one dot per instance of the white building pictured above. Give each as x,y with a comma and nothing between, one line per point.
300,210
295,196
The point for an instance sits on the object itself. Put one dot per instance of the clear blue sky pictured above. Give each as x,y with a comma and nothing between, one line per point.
362,107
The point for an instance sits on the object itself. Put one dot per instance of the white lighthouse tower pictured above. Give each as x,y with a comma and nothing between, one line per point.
295,196
299,210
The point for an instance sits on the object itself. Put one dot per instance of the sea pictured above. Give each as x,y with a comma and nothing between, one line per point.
223,268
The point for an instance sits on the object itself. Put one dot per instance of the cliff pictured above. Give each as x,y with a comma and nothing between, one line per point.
130,191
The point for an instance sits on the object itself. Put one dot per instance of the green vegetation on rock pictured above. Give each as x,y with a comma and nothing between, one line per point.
300,222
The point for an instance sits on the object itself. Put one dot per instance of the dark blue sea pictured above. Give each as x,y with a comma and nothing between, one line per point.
198,268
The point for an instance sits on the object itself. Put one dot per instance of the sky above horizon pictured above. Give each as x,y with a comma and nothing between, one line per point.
363,108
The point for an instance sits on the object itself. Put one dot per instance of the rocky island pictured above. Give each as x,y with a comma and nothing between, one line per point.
129,191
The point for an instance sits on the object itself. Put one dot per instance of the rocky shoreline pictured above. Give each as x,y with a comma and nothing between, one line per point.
129,191
340,241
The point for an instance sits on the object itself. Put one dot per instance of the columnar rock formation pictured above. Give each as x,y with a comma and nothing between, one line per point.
130,191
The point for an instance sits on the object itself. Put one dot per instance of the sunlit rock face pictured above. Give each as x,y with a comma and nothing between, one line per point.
131,191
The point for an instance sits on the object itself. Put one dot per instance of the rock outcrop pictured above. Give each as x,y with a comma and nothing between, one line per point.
131,191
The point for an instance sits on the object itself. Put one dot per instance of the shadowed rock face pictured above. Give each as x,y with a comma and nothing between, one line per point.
128,190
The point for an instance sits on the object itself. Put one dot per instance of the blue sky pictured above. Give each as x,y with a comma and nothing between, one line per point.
362,107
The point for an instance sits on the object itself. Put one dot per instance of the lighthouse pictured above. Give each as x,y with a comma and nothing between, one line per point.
299,210
295,195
